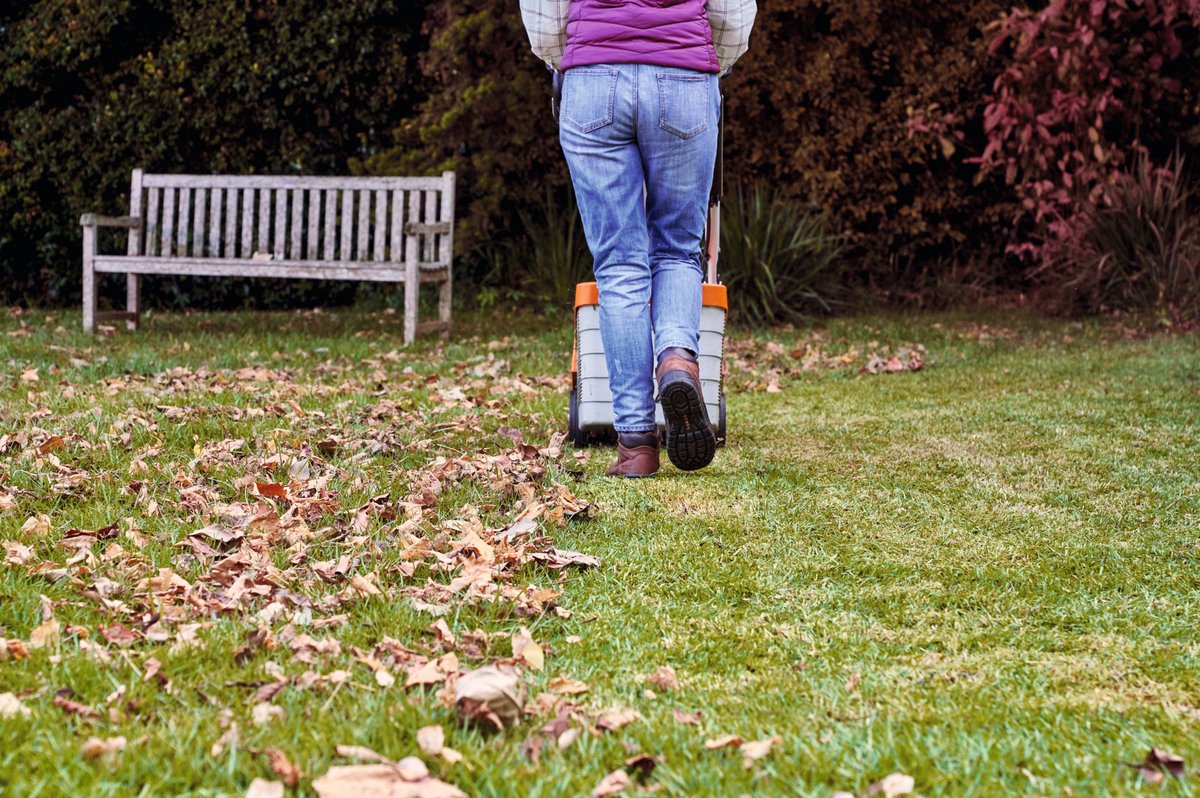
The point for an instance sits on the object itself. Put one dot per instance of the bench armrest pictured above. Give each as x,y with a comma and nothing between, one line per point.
96,220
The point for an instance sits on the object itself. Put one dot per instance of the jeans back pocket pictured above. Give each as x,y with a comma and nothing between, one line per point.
588,98
684,101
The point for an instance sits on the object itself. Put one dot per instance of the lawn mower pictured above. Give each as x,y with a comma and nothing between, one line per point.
590,415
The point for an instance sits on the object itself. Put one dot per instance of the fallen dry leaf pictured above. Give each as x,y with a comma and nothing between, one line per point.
1158,764
95,748
263,713
614,783
45,635
360,753
11,706
261,788
753,751
381,781
663,678
642,765
564,685
74,707
118,635
431,739
564,558
17,553
490,694
36,526
282,767
230,739
729,741
525,649
615,719
893,785
688,719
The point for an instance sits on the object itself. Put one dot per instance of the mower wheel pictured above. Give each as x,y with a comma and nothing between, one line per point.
577,436
720,430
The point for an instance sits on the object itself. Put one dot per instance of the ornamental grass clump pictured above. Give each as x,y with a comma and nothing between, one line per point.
552,254
1139,250
779,259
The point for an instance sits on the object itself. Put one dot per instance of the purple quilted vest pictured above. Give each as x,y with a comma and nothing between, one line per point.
672,33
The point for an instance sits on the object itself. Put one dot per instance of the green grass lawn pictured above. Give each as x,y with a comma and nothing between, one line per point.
984,574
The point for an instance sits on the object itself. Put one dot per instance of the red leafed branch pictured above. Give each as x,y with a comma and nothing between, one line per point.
1083,84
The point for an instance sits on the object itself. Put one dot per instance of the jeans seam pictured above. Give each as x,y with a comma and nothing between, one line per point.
637,76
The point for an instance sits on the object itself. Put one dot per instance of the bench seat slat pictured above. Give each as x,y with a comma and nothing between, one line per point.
225,267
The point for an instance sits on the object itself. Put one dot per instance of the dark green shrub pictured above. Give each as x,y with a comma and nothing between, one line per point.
88,91
487,116
777,258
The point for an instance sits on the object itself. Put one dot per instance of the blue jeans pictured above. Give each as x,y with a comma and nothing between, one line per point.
640,142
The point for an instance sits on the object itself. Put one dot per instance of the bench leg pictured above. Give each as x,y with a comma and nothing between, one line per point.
90,292
412,302
133,300
445,304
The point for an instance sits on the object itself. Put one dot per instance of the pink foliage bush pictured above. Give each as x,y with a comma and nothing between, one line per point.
1087,86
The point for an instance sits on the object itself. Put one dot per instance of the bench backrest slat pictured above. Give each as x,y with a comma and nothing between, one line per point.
183,227
199,223
346,242
136,236
216,199
446,242
379,245
364,225
296,199
396,245
167,240
289,218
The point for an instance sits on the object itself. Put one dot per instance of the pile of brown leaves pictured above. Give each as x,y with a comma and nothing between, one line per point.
754,365
257,531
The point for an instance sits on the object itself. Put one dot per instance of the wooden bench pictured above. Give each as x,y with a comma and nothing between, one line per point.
383,229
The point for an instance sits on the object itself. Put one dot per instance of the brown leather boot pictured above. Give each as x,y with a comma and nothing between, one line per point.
691,442
636,463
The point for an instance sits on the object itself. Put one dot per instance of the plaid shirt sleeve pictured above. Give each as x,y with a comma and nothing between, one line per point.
546,24
731,22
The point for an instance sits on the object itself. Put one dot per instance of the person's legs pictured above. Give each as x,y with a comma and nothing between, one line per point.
599,138
677,134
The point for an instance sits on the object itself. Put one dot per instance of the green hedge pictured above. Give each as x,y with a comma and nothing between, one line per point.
867,111
90,89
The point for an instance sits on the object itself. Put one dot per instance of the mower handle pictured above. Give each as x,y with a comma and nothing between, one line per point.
713,234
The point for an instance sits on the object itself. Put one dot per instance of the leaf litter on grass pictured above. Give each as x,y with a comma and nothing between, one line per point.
263,514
